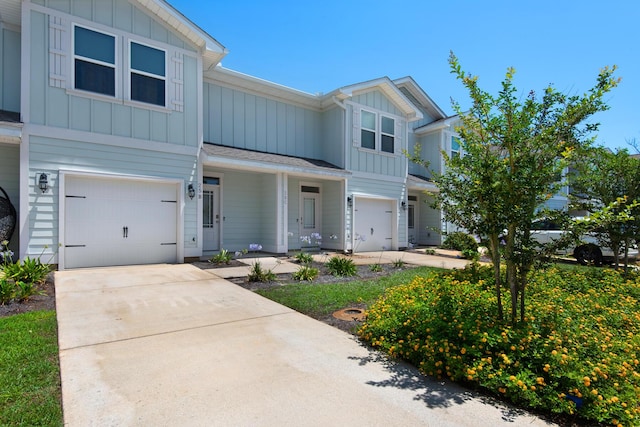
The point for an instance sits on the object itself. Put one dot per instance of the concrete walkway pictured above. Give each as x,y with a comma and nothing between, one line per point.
173,345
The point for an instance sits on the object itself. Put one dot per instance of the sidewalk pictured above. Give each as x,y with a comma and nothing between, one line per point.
281,265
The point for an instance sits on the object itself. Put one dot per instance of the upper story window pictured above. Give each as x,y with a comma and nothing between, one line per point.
455,147
388,128
148,74
377,132
94,61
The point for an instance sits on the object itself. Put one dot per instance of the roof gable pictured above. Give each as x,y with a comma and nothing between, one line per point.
420,96
388,88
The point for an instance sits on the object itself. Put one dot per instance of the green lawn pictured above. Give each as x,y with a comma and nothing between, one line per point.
29,370
318,300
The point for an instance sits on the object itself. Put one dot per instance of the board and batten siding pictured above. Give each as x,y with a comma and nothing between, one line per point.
375,161
10,70
332,214
62,108
10,182
244,120
333,134
429,221
376,100
244,198
49,155
429,151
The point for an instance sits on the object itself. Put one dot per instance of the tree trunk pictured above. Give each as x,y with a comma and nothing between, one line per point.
494,242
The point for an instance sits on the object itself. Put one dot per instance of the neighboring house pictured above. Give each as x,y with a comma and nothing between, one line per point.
123,141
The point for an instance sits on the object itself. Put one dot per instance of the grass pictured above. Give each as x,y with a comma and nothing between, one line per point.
29,370
318,300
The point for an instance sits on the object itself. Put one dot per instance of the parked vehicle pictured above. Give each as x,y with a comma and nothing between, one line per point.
589,251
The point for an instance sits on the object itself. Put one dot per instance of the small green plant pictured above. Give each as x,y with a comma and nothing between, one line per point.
25,290
460,241
376,268
31,270
470,254
340,266
258,274
7,290
306,273
398,263
304,258
224,257
430,251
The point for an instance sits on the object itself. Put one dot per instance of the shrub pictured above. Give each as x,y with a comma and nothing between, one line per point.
460,241
7,290
31,270
304,258
376,268
306,273
340,266
257,274
399,263
577,353
224,257
470,254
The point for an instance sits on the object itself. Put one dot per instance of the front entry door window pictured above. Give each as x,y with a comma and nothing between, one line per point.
211,218
310,215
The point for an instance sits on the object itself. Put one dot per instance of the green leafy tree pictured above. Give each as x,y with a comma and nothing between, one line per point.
610,179
515,154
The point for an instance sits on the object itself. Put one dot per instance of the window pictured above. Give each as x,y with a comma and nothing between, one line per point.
411,216
94,61
368,130
369,134
455,147
388,130
148,75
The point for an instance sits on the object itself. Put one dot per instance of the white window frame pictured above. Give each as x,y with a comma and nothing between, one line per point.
378,133
131,70
115,65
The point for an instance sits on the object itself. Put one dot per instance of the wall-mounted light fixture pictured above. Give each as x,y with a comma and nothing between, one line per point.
43,182
403,205
191,191
350,201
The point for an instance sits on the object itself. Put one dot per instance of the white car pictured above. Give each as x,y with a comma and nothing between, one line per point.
588,251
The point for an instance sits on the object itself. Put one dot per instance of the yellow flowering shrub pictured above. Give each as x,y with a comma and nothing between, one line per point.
577,353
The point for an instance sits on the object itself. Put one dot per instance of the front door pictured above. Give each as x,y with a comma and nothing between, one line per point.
310,218
210,218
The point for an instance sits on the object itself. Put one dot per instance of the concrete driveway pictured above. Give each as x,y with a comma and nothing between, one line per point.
172,345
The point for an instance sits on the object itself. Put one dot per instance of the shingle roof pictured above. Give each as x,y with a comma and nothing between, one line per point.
216,150
9,116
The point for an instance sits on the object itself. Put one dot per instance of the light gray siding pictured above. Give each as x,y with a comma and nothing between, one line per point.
243,120
50,155
332,214
376,100
59,107
426,119
10,182
429,222
429,152
333,134
374,161
10,70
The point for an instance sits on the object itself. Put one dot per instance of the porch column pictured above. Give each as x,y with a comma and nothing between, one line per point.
282,219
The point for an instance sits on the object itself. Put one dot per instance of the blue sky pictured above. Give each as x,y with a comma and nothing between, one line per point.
320,46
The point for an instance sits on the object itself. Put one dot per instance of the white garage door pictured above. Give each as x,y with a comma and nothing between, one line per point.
119,222
373,224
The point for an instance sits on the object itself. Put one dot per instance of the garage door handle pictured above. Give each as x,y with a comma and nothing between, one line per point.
372,231
125,232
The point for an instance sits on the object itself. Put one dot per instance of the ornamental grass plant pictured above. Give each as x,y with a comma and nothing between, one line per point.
577,353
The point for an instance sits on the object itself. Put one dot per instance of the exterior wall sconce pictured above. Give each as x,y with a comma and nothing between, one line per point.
403,205
43,182
191,191
350,201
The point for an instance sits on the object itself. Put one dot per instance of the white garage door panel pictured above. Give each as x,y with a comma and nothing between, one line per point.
373,221
119,222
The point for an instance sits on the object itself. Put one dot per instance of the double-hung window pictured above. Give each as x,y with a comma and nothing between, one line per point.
387,128
94,61
455,147
368,130
377,132
148,74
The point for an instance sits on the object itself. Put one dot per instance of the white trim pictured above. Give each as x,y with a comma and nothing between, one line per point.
23,229
64,173
378,177
282,208
130,71
73,57
112,140
236,164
